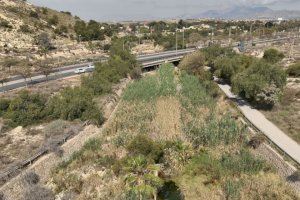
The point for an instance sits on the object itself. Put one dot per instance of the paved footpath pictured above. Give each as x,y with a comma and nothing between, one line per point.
285,143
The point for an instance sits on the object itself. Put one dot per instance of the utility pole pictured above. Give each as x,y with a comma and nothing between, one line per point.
176,41
183,39
212,34
251,37
229,41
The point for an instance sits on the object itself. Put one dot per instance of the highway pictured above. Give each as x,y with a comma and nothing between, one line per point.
145,61
66,71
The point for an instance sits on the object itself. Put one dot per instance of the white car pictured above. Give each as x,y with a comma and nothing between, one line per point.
90,68
80,70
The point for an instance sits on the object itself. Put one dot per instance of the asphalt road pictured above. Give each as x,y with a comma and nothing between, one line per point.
66,71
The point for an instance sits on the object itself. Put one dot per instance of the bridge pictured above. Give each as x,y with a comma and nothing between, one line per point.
148,62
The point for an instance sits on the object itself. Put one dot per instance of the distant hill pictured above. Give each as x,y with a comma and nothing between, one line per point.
246,12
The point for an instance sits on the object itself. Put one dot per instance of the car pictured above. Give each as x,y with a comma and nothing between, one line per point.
90,68
80,70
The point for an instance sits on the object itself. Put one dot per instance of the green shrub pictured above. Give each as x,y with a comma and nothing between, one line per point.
151,87
216,131
106,161
215,51
34,14
232,189
136,73
193,90
55,128
26,109
74,103
294,70
72,182
257,79
94,144
167,85
243,162
227,67
205,164
193,63
143,145
100,82
53,20
4,105
145,89
273,56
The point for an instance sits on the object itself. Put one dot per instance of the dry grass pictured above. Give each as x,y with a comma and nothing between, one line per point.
13,141
265,186
47,88
168,117
193,188
287,115
162,119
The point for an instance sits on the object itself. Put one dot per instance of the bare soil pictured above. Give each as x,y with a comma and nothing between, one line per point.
46,88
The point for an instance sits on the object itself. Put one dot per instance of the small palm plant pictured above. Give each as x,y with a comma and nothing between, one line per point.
142,178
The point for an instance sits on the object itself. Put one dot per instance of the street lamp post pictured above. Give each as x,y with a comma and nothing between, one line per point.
176,41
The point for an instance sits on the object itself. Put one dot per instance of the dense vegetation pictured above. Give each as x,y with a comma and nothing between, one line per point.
120,64
168,141
72,103
261,81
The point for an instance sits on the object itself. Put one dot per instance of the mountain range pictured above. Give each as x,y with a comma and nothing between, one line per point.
246,12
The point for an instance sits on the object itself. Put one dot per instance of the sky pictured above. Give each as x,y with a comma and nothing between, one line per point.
122,10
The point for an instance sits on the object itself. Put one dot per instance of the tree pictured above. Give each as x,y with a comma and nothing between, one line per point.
227,67
181,24
194,38
25,69
269,95
273,56
44,43
89,31
3,77
25,72
80,28
261,83
193,63
9,62
45,68
91,46
121,49
215,51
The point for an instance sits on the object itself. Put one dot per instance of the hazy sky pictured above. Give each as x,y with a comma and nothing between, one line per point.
120,10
